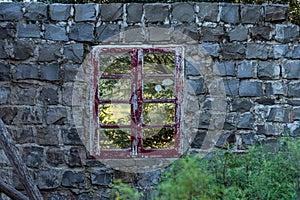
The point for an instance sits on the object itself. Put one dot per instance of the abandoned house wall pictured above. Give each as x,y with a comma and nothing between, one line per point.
42,47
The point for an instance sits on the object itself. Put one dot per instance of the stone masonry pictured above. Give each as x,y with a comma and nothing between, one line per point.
42,47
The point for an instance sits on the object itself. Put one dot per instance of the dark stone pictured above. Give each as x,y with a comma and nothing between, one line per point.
254,50
286,33
7,30
24,94
49,95
197,86
85,196
48,179
226,140
101,177
107,32
49,52
7,114
59,12
208,11
246,121
231,87
3,53
294,89
76,157
36,11
56,33
148,179
278,114
55,157
50,72
33,156
251,14
94,163
266,101
212,34
29,31
23,49
10,11
24,135
281,50
233,51
275,88
248,138
4,72
83,32
276,12
204,120
230,121
250,89
156,12
261,33
60,194
225,68
230,13
291,69
111,12
70,71
85,12
74,179
294,102
189,30
4,95
26,71
134,12
198,140
296,52
29,115
239,33
47,136
57,115
246,69
183,12
212,49
241,105
268,70
71,137
74,52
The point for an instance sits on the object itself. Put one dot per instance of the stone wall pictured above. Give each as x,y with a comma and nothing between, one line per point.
42,47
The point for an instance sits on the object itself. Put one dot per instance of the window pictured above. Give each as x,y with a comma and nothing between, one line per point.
137,104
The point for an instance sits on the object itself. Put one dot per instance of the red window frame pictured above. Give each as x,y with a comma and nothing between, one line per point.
137,101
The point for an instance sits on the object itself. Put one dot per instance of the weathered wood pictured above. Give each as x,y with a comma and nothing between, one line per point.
11,192
15,159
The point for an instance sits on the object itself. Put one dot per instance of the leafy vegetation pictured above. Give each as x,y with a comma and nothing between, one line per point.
258,174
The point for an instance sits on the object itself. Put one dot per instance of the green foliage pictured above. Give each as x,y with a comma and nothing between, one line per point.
122,191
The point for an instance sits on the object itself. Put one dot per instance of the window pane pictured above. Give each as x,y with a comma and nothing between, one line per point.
114,114
158,113
158,137
159,63
114,138
118,89
115,63
158,88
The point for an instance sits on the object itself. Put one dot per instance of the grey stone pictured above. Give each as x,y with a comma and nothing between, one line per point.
212,49
251,14
293,102
101,177
5,74
49,52
59,12
50,72
23,49
48,179
74,52
7,30
8,114
268,70
233,51
250,89
56,115
239,33
10,11
190,69
71,137
82,32
162,35
111,12
134,12
134,34
265,101
226,140
230,121
156,12
149,179
29,115
24,135
55,156
260,51
3,53
294,89
76,157
56,33
197,86
47,136
275,88
296,52
278,114
248,138
241,105
246,121
296,113
33,156
212,34
189,30
70,71
49,95
74,179
198,139
85,12
26,71
24,94
230,13
204,120
231,87
4,95
246,69
286,33
36,11
29,30
208,11
276,12
107,32
85,196
183,12
280,51
61,194
225,68
291,69
261,32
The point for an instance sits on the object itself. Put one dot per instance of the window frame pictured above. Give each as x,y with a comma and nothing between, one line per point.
136,125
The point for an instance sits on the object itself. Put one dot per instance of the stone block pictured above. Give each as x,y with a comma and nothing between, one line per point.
208,11
268,70
74,52
257,51
251,14
191,31
7,114
278,114
294,89
50,72
5,74
71,137
3,53
33,156
261,33
86,12
26,71
225,68
159,33
111,12
156,12
230,121
275,88
231,87
101,177
7,30
275,12
248,138
56,33
108,32
183,12
226,140
281,51
74,179
85,196
24,94
29,115
239,33
296,113
4,95
212,49
60,194
70,71
212,34
246,121
49,95
47,136
204,120
198,139
265,101
246,69
233,51
55,157
76,157
22,50
10,11
57,115
241,105
230,13
190,69
29,31
59,12
48,179
286,33
49,52
296,52
250,89
134,34
24,135
134,12
83,32
36,11
196,86
291,69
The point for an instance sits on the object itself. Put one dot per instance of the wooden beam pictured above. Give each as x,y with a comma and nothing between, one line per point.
11,192
15,159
